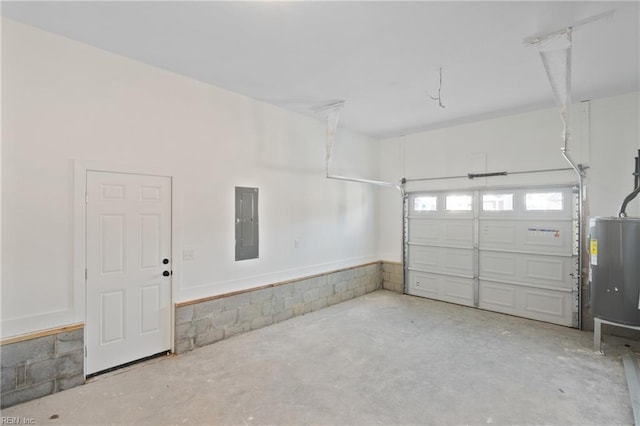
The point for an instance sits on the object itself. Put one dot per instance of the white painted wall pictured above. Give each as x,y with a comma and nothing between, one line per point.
606,137
65,101
615,140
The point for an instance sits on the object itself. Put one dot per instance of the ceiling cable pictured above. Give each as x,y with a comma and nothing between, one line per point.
439,97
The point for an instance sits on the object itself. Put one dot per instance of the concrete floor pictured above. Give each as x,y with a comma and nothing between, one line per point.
383,358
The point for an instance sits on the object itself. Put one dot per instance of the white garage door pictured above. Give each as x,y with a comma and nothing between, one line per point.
512,251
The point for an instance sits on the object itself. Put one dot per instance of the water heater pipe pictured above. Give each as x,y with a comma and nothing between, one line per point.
636,188
623,208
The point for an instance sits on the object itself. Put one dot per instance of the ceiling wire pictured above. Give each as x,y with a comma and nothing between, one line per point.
439,97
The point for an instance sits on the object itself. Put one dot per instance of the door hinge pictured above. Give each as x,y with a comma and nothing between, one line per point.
86,274
85,351
86,198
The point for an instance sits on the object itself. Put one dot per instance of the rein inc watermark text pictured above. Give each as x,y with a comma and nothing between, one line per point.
6,420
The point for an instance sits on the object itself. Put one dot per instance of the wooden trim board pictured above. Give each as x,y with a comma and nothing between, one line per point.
41,333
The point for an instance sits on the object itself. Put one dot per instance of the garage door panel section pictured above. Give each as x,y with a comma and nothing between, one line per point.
441,287
441,232
528,302
424,284
458,232
498,297
442,260
538,270
424,232
527,236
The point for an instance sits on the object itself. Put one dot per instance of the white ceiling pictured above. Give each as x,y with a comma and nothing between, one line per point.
382,58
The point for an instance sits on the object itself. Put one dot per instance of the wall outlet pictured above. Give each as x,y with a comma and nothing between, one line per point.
188,254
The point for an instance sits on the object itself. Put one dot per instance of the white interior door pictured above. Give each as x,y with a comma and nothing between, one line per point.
128,268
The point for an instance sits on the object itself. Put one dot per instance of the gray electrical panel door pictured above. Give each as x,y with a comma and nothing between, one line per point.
246,223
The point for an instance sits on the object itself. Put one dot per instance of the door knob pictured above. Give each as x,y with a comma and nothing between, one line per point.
165,261
166,273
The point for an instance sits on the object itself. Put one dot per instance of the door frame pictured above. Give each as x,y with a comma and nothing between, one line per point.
80,169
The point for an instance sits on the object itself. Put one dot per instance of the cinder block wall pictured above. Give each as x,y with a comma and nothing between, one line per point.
41,366
392,276
206,321
52,361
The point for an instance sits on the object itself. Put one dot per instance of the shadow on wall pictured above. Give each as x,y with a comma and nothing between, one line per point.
297,148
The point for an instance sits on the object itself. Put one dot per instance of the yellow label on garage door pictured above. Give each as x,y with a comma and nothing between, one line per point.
594,247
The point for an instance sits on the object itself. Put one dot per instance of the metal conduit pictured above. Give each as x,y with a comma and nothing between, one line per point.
333,116
370,181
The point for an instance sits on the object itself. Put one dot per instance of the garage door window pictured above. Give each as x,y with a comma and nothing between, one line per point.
497,202
543,201
425,204
458,203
